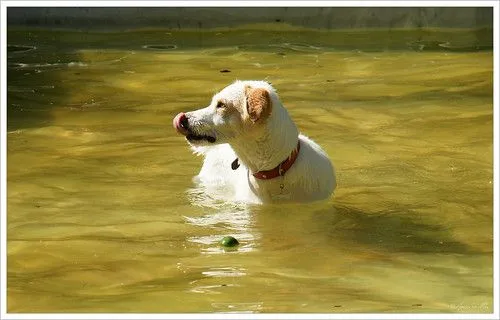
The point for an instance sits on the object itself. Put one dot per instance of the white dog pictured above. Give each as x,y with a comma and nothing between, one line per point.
253,149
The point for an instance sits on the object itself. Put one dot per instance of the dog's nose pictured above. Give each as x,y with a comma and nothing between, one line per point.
181,123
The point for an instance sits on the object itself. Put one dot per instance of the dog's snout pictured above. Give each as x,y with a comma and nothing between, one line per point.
181,123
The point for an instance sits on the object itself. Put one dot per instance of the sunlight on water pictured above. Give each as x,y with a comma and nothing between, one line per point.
103,215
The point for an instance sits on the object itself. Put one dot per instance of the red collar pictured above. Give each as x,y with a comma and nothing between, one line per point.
281,169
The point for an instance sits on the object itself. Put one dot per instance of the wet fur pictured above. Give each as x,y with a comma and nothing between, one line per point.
254,127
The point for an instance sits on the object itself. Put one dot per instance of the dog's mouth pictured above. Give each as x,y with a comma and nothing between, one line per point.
191,137
181,125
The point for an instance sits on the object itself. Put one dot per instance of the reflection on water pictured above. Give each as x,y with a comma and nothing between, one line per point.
103,215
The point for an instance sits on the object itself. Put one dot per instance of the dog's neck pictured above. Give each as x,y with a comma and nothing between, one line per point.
267,149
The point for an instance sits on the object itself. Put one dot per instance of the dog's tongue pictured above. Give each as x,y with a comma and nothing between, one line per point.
177,123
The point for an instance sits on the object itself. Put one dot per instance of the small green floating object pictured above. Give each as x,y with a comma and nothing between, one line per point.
229,241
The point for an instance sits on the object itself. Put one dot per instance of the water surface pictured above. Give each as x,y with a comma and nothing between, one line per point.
103,215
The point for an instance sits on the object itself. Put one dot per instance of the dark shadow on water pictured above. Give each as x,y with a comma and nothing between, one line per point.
399,229
25,107
34,84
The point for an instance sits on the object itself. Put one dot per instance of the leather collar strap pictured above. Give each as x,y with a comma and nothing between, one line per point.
281,169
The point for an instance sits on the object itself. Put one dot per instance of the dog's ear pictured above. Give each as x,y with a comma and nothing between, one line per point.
258,103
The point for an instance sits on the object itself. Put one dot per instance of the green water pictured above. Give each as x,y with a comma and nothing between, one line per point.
103,215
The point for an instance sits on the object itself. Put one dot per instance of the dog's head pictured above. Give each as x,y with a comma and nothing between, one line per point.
240,110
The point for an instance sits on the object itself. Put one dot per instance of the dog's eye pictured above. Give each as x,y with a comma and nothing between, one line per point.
220,104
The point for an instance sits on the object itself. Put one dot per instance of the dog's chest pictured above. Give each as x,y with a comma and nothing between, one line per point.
275,190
